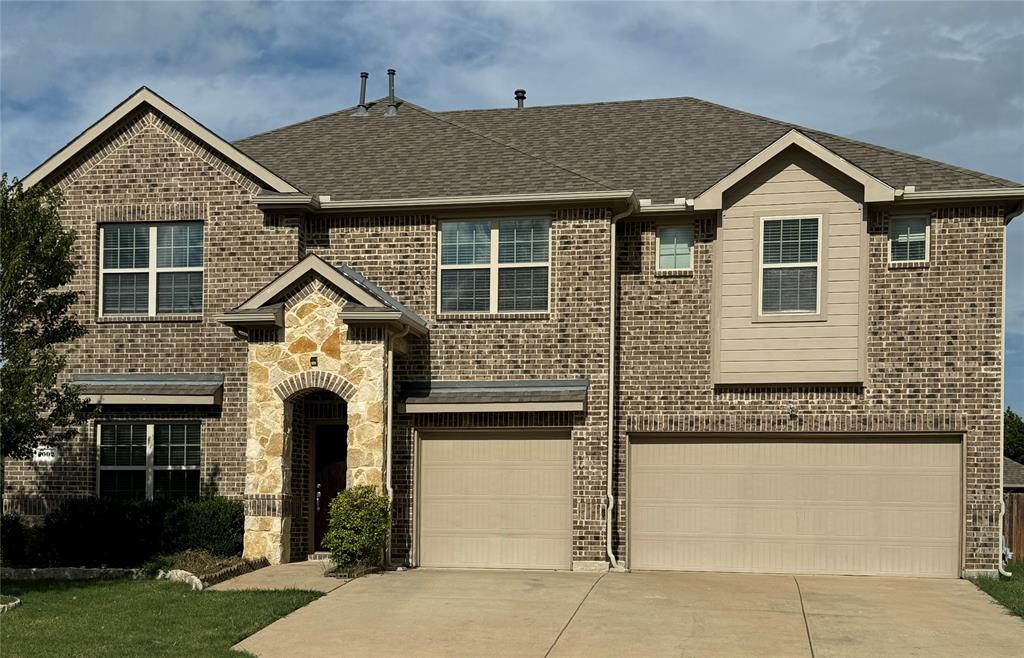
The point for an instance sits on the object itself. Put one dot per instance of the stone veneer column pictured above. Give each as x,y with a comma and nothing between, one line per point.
280,371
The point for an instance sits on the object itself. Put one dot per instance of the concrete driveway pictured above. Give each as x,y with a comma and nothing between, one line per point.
508,613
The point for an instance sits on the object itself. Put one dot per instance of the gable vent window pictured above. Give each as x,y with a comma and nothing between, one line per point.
790,265
141,461
151,269
494,266
908,239
675,247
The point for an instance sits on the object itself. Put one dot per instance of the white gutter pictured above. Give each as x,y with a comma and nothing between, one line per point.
323,204
388,443
938,195
609,512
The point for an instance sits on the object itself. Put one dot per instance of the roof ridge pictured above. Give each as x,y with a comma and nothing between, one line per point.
351,108
553,105
589,177
869,145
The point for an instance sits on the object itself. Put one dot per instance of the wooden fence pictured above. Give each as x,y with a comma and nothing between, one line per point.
1013,525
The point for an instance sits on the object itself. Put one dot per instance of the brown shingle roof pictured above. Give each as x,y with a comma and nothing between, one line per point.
662,148
1013,473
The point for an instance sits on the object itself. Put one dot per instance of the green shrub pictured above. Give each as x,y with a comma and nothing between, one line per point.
358,529
12,540
94,532
215,525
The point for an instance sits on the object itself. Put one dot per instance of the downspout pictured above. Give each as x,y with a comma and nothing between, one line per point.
609,511
387,432
1002,410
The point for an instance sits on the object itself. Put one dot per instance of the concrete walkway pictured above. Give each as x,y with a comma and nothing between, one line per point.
295,575
506,613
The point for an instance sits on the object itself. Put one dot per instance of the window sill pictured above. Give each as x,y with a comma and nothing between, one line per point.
131,319
784,318
909,265
673,274
444,317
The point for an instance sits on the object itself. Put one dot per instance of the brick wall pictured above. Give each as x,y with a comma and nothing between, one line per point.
934,356
569,342
150,170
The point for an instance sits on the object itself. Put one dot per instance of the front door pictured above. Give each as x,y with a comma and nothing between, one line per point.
331,444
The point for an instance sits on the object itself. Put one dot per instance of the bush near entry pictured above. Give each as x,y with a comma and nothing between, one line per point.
357,534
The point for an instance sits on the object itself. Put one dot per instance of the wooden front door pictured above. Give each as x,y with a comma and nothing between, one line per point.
331,449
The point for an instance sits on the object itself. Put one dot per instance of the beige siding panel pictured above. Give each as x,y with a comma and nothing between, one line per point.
818,366
817,506
502,503
792,184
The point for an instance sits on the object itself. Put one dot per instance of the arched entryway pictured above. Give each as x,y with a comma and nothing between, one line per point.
319,464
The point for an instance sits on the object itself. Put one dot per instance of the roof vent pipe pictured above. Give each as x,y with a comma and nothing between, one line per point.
361,111
392,105
520,97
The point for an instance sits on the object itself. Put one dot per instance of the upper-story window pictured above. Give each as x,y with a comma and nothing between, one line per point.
151,269
675,247
790,264
908,239
495,266
149,461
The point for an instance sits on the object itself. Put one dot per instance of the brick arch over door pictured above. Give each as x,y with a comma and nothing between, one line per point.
314,379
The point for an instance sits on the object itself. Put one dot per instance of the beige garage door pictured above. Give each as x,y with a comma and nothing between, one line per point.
501,502
836,506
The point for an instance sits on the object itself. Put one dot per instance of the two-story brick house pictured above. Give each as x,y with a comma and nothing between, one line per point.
657,334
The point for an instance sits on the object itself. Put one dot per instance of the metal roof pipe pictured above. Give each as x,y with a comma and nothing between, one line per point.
392,104
361,111
520,97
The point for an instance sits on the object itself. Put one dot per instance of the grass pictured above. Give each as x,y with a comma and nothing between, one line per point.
136,618
1007,591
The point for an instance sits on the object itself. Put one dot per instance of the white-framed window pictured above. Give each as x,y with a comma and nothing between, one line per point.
909,238
151,269
147,461
674,244
790,264
494,265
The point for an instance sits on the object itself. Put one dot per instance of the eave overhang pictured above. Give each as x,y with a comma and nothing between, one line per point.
616,199
266,316
150,388
495,396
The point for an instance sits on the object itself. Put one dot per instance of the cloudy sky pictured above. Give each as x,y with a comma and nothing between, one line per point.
944,80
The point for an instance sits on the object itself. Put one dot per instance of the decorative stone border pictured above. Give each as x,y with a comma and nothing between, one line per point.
7,607
68,573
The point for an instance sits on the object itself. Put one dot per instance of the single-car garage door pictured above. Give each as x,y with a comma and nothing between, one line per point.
835,506
502,501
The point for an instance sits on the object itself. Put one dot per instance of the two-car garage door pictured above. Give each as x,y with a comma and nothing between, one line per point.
840,506
495,500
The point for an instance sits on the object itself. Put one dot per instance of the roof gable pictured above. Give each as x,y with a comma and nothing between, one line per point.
366,295
145,96
874,189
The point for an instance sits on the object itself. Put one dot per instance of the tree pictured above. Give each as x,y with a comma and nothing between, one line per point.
35,268
1013,435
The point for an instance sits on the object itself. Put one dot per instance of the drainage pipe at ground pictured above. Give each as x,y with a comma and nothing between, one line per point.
388,443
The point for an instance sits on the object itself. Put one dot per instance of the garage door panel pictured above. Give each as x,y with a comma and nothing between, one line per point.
840,506
499,502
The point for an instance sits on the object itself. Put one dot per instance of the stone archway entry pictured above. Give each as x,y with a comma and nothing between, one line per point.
317,351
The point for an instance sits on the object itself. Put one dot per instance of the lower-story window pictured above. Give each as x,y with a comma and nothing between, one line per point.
149,460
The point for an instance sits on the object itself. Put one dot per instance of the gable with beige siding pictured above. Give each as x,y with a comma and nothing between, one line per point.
822,347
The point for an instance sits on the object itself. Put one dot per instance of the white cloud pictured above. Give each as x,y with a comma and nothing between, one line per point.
945,83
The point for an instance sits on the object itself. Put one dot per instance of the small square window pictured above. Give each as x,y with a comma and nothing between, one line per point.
908,239
675,247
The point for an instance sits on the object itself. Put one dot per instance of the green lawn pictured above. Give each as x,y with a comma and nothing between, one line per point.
1008,591
135,618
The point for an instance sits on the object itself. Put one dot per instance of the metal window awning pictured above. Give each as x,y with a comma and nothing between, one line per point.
495,396
151,388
